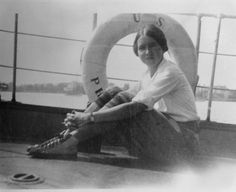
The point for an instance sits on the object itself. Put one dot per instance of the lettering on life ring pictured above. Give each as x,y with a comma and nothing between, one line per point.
97,81
159,22
136,17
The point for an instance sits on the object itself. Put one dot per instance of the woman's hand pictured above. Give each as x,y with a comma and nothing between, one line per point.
76,119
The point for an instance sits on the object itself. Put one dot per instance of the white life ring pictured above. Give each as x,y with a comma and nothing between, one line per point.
181,48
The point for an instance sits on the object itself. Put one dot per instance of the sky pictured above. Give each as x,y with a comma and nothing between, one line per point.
74,19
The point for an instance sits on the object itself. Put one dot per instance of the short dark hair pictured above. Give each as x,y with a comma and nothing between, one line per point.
153,32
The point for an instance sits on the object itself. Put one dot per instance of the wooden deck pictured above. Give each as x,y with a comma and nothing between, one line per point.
113,169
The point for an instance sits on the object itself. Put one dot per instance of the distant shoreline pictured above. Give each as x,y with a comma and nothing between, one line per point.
70,93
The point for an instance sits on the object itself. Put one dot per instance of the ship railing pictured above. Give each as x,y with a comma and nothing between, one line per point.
199,17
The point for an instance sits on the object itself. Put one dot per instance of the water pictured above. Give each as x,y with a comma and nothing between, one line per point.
49,99
221,111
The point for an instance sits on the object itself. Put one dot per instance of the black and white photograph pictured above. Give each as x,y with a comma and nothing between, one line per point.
127,95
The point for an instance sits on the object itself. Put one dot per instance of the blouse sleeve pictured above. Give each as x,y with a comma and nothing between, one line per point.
163,84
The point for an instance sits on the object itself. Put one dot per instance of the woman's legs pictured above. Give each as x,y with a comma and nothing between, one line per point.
148,135
93,129
107,95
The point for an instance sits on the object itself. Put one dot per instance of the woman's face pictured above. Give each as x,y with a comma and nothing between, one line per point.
149,51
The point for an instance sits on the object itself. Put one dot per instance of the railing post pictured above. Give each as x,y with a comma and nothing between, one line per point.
213,69
95,20
15,59
199,27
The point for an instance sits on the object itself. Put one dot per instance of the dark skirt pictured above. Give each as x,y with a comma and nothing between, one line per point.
150,135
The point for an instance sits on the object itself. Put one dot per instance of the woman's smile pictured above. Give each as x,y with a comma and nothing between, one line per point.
149,57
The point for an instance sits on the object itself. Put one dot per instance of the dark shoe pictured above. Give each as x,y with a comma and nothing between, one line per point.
61,135
56,147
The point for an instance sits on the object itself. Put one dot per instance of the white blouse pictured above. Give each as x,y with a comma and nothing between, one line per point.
168,91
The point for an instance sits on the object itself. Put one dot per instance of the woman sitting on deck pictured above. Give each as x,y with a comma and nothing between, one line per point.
158,120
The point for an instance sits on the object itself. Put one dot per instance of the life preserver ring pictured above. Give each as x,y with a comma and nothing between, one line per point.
181,48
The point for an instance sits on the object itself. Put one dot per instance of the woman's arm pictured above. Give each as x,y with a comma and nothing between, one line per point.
119,112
